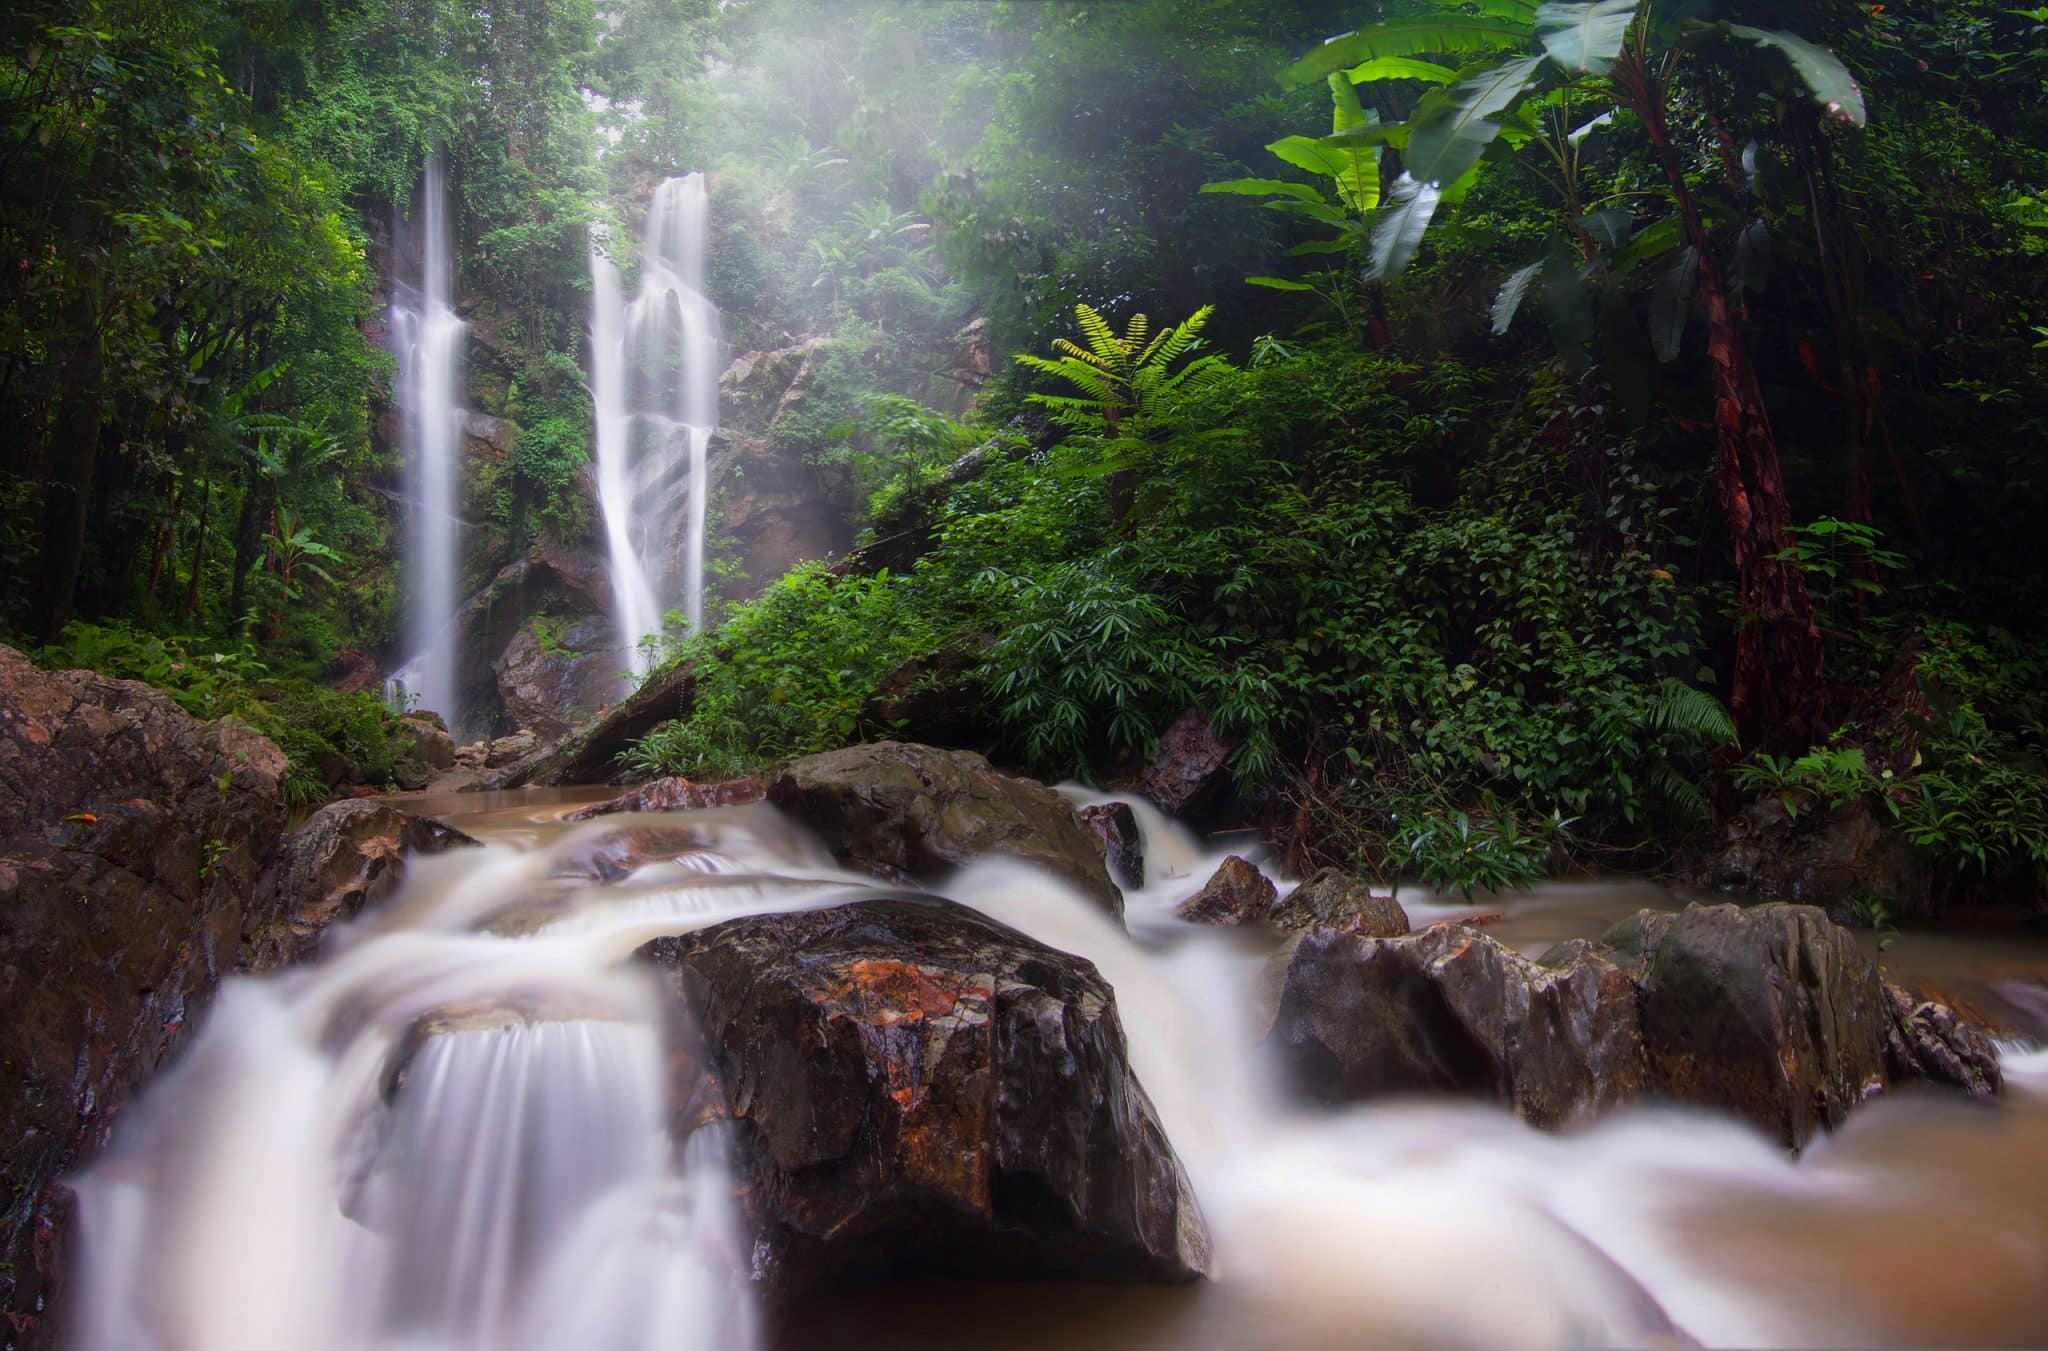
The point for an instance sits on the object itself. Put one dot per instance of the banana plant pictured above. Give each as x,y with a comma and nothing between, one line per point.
1536,81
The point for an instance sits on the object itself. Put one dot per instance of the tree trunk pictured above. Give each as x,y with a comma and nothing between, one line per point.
1776,692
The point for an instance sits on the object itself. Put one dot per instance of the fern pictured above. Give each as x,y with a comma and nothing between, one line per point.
1120,376
1686,709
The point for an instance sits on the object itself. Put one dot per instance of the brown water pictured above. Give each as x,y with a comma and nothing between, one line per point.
1924,1222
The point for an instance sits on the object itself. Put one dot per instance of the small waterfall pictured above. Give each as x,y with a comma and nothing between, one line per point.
654,380
428,339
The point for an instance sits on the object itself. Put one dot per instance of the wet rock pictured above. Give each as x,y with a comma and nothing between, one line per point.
1187,772
131,839
915,1087
1333,899
1237,893
498,752
547,679
1115,828
424,750
619,853
677,795
1771,1011
347,855
904,811
1926,1039
1812,855
592,754
1451,1009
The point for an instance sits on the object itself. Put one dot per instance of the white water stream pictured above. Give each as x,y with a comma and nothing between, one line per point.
428,338
449,1134
654,383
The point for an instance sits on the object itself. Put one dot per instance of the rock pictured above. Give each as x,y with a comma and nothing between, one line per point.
906,811
773,513
498,752
1237,893
1821,857
925,693
131,840
1925,1039
915,1087
424,750
677,795
1333,899
592,754
1451,1009
1187,772
1115,828
346,856
547,679
1771,1011
355,671
618,854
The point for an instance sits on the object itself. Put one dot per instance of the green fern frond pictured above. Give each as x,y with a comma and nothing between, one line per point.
1683,708
1101,337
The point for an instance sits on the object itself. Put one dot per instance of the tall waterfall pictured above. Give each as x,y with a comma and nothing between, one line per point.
428,338
654,378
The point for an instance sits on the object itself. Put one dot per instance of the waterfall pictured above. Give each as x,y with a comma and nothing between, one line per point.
428,338
654,379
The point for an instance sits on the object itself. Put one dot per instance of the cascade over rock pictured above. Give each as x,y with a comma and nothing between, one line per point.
131,840
916,1087
1770,1012
347,856
905,811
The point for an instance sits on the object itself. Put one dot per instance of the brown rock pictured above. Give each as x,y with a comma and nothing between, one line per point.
907,811
1772,1012
1333,899
1926,1039
592,754
346,856
1187,773
619,853
677,795
1451,1009
131,840
915,1087
1237,893
1115,827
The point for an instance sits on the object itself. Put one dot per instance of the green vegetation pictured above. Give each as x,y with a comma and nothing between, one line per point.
1526,429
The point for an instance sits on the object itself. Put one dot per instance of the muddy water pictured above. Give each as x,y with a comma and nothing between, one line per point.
1430,1224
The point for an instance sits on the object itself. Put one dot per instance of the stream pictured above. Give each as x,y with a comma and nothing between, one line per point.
448,1133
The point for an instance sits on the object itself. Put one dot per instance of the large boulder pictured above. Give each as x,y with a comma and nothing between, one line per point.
1188,772
916,1087
1333,899
423,750
1450,1009
905,811
347,855
1770,1012
592,754
131,840
548,679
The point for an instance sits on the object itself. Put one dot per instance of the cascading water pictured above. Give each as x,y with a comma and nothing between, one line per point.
654,380
428,339
453,1133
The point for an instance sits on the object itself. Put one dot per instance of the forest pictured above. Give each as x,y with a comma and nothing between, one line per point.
1477,446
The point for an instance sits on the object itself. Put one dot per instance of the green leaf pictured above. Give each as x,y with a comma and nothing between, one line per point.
1400,68
1585,38
1451,127
1279,284
1403,222
1406,37
1671,302
1511,295
1265,187
1825,77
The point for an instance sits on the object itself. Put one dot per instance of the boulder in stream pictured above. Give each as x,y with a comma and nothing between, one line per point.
676,795
131,839
1771,1012
1333,899
348,855
1115,827
1236,893
916,1087
905,811
1189,770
